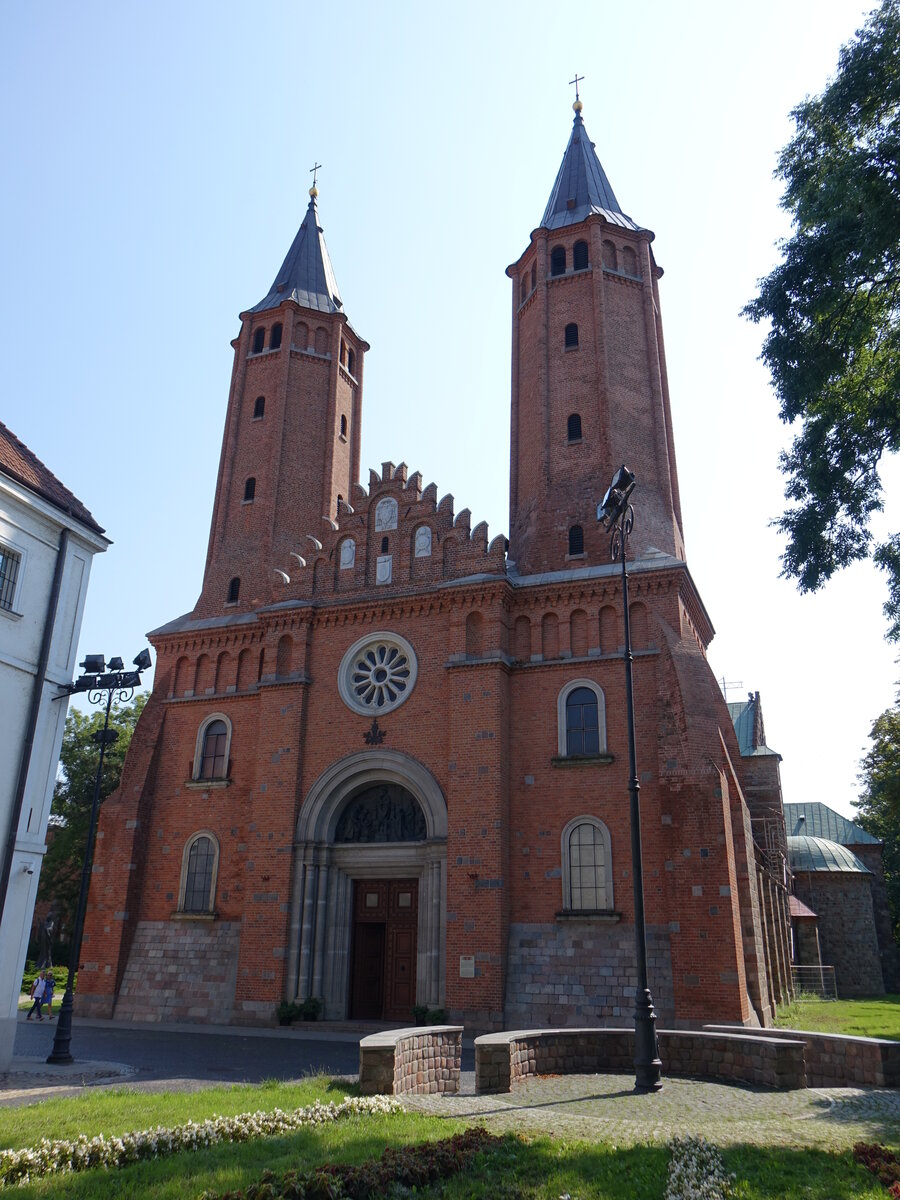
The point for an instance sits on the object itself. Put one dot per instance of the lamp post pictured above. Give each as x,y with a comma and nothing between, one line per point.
617,515
100,679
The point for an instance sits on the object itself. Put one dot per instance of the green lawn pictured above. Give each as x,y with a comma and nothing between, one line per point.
538,1168
873,1016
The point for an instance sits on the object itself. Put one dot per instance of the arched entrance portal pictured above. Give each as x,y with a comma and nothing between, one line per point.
370,885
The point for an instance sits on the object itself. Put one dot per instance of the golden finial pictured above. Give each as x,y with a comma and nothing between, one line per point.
313,191
578,106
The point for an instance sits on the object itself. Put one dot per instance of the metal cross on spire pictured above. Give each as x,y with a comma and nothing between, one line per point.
314,169
578,78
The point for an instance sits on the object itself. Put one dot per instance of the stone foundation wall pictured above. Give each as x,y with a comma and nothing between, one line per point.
411,1060
181,971
582,971
842,901
503,1060
836,1061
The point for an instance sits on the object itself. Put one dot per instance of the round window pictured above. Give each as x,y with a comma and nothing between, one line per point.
377,673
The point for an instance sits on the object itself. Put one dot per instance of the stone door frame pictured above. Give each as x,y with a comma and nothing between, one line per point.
321,906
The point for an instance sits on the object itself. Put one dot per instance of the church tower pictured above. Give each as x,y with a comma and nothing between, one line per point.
589,388
291,445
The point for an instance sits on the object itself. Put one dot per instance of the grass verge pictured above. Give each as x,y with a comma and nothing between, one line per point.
871,1016
542,1168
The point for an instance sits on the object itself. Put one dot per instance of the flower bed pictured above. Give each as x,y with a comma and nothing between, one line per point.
409,1167
697,1172
58,1157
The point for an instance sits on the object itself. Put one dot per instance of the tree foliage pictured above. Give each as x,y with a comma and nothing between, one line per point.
72,798
879,803
833,304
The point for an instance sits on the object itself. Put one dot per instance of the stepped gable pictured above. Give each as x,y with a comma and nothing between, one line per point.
392,537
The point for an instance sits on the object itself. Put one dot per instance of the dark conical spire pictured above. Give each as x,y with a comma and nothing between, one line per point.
581,186
306,275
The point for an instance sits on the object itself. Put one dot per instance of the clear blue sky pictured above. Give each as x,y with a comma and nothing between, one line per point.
156,161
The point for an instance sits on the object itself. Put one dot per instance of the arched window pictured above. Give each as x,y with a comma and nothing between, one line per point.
250,489
573,427
343,354
576,540
301,335
533,276
321,340
259,341
558,260
212,748
343,426
199,868
580,256
351,361
275,337
586,866
523,290
284,656
234,590
610,257
259,408
581,720
522,639
571,338
630,263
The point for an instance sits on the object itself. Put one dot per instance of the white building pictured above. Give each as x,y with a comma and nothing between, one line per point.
47,541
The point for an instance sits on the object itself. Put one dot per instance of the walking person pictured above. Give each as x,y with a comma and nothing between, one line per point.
49,985
37,995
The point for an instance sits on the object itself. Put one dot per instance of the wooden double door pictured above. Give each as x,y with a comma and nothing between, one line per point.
383,964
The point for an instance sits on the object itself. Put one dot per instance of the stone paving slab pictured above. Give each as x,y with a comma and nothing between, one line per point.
605,1107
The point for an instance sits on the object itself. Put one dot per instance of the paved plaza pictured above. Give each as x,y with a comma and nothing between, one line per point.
591,1107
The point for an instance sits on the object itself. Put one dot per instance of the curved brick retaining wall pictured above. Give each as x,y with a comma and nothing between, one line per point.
504,1059
834,1060
411,1060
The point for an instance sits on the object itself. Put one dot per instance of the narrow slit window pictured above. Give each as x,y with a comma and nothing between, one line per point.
259,408
580,256
571,335
573,427
576,540
558,260
275,339
9,574
343,426
234,590
250,489
259,341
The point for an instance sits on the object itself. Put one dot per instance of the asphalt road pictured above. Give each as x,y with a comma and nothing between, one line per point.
159,1054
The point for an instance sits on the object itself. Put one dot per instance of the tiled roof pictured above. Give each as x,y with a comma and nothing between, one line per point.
820,854
799,909
581,187
22,465
306,275
818,820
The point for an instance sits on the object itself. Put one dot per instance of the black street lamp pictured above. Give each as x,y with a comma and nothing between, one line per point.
99,679
617,515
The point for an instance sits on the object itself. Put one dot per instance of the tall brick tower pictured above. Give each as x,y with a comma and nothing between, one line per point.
291,445
589,388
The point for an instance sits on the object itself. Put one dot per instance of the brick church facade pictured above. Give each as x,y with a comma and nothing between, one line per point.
385,759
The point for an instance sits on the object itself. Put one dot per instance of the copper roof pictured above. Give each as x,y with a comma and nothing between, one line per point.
22,465
820,854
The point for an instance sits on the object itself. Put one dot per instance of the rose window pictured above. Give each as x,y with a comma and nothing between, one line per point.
377,673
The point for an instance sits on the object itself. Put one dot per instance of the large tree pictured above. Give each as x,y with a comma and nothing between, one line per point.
833,304
70,814
879,803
